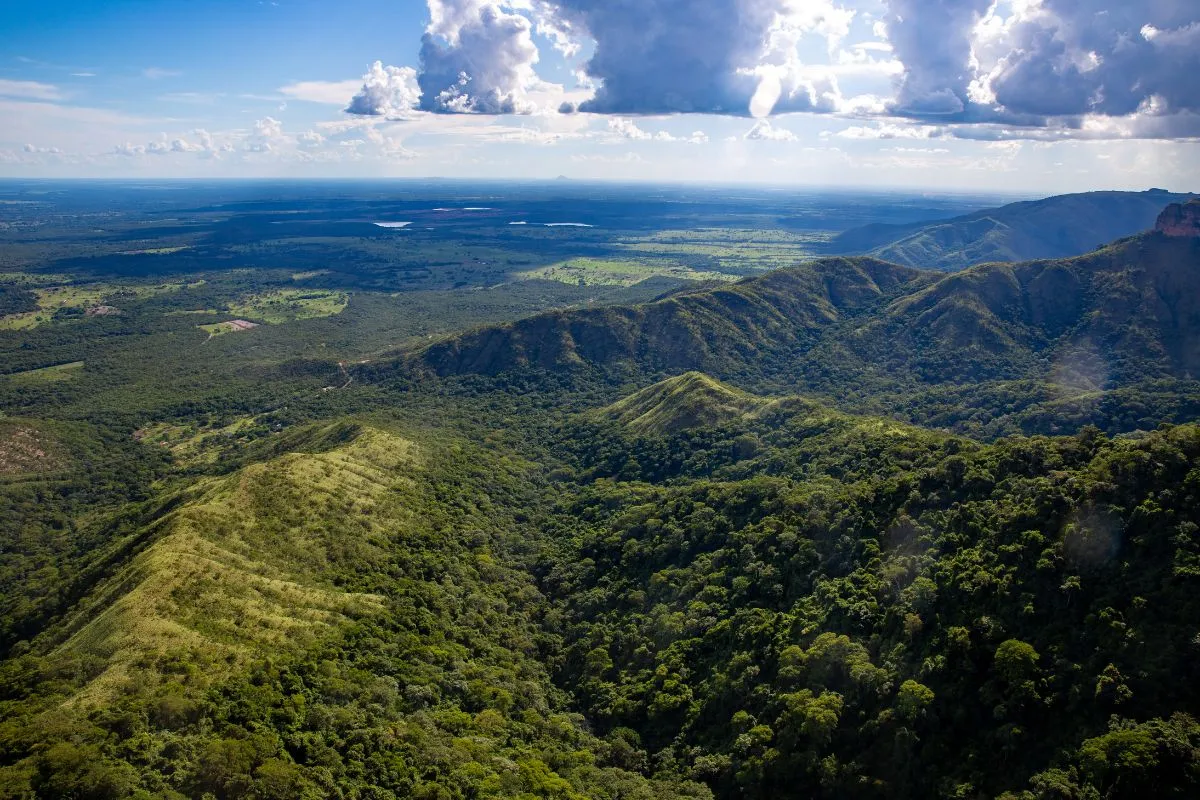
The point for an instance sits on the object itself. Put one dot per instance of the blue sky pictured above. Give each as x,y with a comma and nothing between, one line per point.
1027,95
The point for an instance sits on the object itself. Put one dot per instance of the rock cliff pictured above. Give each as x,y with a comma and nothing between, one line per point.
1180,219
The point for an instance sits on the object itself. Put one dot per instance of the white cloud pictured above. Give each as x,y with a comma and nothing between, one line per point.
331,93
158,73
627,129
386,92
764,131
32,90
477,56
888,130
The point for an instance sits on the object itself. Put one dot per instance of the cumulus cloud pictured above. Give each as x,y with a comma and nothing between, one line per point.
932,39
650,56
267,136
477,56
1071,66
1076,57
199,142
386,92
1050,64
721,56
889,130
764,131
310,139
626,128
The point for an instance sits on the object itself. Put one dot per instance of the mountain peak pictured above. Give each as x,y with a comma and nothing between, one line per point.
1180,220
691,400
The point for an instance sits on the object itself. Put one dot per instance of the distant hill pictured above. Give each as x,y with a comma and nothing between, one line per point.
1057,227
1137,301
989,349
1134,305
705,329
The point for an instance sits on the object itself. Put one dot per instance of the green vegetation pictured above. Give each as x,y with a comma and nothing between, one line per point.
816,605
602,272
431,531
52,374
693,400
728,251
331,618
1039,347
288,305
1057,227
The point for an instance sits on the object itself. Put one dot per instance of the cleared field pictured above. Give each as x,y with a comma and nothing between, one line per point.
198,443
289,305
78,298
232,326
603,272
312,273
738,251
54,374
24,449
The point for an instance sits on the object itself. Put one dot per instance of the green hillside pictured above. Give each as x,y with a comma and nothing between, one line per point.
692,400
697,330
1057,227
353,617
1105,330
846,530
852,608
690,592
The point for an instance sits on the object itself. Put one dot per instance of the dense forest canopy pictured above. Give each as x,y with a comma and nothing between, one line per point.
681,508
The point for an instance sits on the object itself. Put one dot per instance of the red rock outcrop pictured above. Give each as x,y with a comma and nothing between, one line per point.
1181,220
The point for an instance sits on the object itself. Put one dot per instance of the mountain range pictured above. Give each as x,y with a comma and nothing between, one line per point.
801,535
1054,227
1124,318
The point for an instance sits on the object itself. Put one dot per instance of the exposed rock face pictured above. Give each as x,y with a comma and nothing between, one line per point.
1180,219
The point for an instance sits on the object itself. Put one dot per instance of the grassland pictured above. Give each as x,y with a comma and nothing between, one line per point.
197,443
605,272
288,305
729,250
222,328
239,569
60,303
53,374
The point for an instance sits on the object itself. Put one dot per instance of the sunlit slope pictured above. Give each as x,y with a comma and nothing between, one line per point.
716,329
691,400
1134,303
242,566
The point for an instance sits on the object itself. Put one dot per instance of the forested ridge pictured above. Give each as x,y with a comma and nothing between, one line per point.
1107,339
845,530
776,600
1054,227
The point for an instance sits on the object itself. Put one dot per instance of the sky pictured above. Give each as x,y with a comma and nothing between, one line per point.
1007,95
